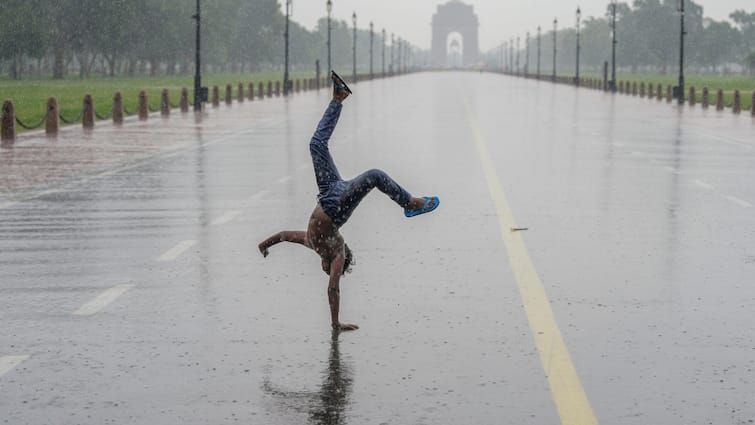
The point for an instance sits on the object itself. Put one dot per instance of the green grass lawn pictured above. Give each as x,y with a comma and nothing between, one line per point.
745,85
30,95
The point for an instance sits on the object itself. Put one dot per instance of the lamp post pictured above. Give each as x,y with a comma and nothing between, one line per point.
511,54
539,43
372,41
393,43
613,47
198,71
400,55
517,55
383,64
354,48
579,21
286,83
527,55
329,5
555,30
682,33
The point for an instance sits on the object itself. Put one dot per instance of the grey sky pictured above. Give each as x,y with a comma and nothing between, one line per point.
499,19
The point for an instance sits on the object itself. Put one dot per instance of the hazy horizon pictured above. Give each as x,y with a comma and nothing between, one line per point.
499,21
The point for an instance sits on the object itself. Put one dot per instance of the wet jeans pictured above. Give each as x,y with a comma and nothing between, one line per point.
338,197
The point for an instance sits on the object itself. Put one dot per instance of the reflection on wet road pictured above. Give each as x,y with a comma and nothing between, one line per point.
328,405
131,288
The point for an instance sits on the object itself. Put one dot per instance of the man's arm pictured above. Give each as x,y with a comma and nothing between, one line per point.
334,294
298,236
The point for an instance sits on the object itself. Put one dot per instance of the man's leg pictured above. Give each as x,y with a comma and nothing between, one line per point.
360,186
326,172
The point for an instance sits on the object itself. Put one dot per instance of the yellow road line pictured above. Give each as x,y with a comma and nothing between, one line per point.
566,389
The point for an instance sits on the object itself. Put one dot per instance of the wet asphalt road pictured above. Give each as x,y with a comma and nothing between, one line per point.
132,291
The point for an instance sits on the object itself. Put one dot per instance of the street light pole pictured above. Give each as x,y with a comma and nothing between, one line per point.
539,43
383,63
555,30
613,46
198,63
511,54
329,5
579,21
682,33
527,55
400,52
372,41
393,43
518,51
285,72
354,47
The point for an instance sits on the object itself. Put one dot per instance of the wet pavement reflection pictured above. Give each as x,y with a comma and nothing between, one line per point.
328,405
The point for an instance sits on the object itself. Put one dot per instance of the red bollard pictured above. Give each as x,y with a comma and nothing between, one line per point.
720,100
260,90
8,126
269,89
184,100
692,96
706,98
277,89
215,96
143,106
52,123
737,107
165,103
752,105
118,108
87,120
251,91
669,94
228,94
240,94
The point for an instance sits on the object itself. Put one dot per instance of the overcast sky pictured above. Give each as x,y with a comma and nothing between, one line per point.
499,19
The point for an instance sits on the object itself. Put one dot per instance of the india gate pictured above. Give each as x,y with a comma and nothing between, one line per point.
455,17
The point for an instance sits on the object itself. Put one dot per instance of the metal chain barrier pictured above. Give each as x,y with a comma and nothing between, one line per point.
103,117
39,124
73,121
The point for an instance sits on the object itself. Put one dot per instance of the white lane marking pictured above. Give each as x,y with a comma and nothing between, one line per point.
283,180
742,203
226,218
704,185
177,250
259,195
7,363
102,300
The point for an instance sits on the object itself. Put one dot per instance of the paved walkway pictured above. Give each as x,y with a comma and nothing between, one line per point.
131,290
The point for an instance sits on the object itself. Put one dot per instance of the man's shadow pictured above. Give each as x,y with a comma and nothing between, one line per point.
328,405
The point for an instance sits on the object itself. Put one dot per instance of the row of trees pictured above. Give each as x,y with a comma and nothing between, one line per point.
648,40
157,36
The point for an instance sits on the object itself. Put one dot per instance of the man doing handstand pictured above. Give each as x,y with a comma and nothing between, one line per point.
337,200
